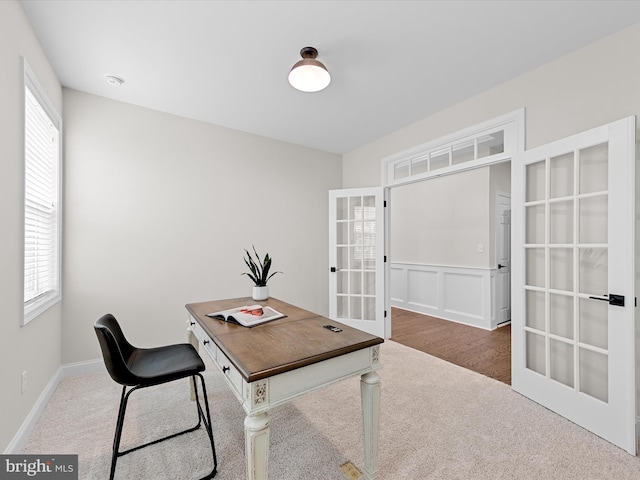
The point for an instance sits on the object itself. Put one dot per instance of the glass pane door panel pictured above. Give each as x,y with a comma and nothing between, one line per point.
594,323
356,308
561,222
593,167
342,257
342,307
355,262
535,308
342,209
535,268
355,232
369,283
369,204
594,368
463,152
593,219
561,362
369,307
535,224
561,315
355,212
593,270
561,269
491,144
561,181
342,280
536,356
439,159
369,257
535,182
356,283
369,232
342,233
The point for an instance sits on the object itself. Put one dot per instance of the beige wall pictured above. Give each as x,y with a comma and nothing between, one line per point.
159,208
441,221
36,346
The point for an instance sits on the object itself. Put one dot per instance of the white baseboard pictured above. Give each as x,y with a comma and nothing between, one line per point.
64,371
83,368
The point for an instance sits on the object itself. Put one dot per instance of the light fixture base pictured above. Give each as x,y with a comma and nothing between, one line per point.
308,52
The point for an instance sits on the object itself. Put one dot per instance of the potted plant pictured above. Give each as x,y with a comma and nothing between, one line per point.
258,273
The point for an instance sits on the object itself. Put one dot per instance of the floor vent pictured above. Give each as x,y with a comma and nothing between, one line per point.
351,471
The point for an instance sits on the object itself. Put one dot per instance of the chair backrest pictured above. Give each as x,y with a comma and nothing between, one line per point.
116,350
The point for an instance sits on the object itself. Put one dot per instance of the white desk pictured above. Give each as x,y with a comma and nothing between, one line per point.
287,367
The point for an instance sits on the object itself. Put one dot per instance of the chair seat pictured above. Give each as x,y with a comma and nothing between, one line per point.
153,366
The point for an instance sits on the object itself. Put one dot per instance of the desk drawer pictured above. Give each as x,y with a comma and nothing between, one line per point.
233,376
222,363
204,341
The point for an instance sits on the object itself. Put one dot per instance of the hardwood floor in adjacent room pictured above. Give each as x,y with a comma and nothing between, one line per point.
483,351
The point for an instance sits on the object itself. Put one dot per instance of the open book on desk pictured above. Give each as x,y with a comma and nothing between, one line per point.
248,316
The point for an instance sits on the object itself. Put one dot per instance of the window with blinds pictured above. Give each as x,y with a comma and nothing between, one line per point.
41,200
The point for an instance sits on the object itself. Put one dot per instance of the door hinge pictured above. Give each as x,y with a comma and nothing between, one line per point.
385,259
385,314
384,204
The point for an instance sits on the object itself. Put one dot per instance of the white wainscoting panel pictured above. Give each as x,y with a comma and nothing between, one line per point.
461,294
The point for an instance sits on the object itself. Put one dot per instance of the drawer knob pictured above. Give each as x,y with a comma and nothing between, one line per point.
225,369
205,342
192,323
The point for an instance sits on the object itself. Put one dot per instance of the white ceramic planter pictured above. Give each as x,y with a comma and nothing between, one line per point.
260,293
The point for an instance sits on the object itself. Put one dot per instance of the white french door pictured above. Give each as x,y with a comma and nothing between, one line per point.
573,279
503,258
356,258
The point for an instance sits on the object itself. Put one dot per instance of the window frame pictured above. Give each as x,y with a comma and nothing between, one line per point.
33,308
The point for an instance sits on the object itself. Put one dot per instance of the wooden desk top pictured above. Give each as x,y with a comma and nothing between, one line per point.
294,341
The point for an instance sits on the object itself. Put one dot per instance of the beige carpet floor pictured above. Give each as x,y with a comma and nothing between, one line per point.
438,421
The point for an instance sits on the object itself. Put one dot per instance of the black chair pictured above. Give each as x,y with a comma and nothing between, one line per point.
144,367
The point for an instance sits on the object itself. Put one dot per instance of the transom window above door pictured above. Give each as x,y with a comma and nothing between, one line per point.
489,142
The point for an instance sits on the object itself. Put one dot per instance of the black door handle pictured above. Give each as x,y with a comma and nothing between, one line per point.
501,266
613,299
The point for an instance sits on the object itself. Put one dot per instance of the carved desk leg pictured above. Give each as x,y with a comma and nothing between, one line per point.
370,394
256,446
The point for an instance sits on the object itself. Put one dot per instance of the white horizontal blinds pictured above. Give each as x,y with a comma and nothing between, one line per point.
41,217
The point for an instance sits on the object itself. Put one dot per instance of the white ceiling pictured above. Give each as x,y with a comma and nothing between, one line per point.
392,62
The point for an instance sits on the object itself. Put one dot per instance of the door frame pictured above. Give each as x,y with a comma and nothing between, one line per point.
513,125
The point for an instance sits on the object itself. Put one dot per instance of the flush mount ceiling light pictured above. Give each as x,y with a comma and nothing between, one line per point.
113,80
308,74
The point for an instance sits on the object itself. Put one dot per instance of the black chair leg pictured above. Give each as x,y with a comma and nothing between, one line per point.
118,434
206,421
201,419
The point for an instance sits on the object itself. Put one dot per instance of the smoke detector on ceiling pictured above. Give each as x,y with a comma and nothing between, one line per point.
114,80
